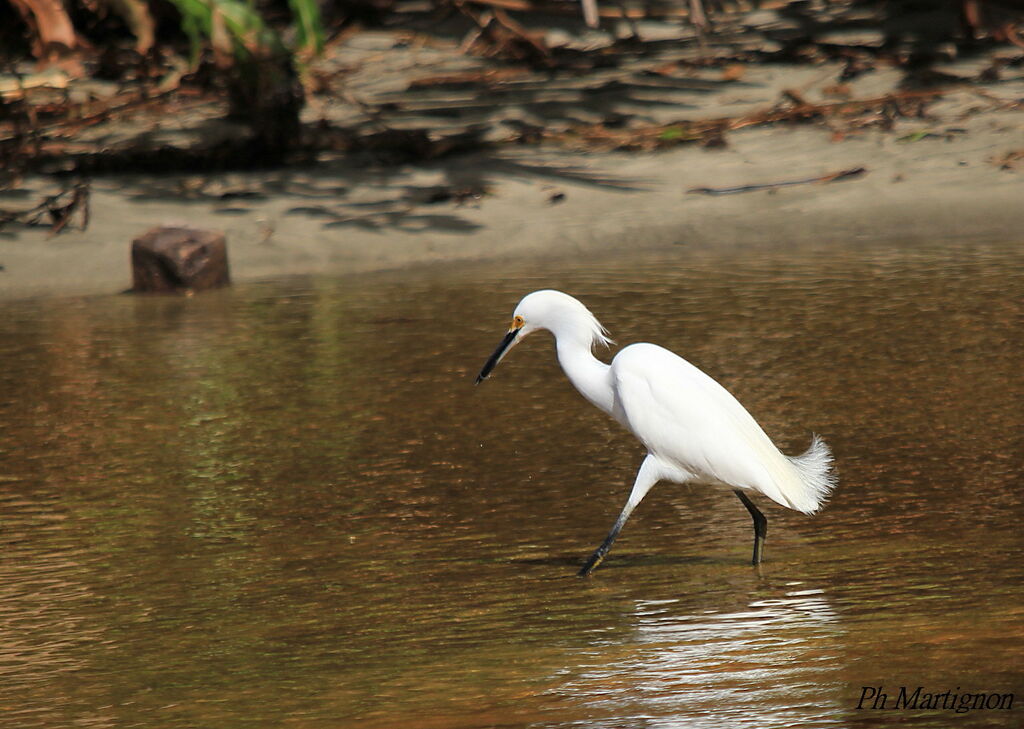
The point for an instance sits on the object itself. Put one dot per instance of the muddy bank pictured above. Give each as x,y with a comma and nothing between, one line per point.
561,164
335,220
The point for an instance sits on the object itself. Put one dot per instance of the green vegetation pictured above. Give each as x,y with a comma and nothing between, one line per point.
251,59
258,68
237,28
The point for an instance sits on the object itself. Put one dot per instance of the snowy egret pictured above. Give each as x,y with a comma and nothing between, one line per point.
694,430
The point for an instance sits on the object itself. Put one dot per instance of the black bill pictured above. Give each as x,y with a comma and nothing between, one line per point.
495,358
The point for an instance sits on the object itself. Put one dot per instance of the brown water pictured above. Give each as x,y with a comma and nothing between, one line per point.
287,505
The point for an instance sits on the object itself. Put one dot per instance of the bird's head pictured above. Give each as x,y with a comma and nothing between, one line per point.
559,313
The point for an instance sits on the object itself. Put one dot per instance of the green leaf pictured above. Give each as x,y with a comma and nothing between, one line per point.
915,136
308,26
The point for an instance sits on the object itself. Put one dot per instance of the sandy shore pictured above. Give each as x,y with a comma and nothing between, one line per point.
926,178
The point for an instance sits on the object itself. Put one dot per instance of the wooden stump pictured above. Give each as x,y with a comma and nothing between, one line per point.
173,259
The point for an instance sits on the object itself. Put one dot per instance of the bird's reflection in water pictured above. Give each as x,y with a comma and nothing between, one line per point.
773,663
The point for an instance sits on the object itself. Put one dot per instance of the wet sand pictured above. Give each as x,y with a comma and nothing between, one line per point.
929,178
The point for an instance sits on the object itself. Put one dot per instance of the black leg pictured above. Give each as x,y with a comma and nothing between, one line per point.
646,477
600,552
760,526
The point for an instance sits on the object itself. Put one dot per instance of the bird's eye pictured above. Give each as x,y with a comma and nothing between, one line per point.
518,321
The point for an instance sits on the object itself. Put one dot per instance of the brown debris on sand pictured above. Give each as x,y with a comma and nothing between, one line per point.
54,210
503,73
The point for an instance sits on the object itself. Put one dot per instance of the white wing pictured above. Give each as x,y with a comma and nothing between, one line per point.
690,422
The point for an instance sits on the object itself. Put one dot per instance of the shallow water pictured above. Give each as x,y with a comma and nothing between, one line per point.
287,505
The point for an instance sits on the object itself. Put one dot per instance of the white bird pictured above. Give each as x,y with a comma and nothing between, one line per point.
694,430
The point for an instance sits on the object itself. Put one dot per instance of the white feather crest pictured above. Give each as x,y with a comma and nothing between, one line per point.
563,316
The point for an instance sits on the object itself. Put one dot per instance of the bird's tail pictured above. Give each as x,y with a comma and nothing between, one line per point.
814,467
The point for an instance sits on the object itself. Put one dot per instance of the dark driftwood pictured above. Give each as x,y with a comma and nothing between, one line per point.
172,259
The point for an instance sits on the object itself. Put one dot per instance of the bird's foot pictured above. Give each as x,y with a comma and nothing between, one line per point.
595,559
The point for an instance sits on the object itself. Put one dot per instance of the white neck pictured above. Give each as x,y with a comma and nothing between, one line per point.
587,373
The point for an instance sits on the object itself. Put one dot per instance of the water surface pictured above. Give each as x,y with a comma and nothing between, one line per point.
287,505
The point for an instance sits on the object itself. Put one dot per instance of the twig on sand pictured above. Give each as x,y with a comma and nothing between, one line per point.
552,7
57,208
832,177
497,33
793,109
